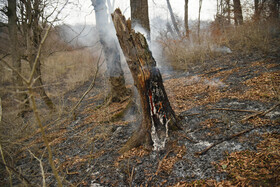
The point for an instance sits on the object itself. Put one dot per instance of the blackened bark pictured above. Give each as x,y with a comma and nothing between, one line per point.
238,17
111,51
158,116
140,14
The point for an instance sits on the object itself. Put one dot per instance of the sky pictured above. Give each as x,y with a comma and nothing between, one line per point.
82,12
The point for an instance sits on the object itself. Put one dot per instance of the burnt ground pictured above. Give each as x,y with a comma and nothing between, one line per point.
213,101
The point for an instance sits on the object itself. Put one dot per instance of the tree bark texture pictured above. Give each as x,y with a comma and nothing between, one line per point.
187,18
16,58
238,17
173,18
140,14
108,41
158,116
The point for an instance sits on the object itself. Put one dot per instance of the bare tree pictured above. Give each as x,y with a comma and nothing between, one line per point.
187,18
238,17
111,51
140,14
175,25
158,116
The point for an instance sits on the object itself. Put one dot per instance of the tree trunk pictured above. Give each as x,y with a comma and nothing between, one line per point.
257,10
16,60
111,51
35,40
198,25
187,18
274,9
238,18
158,116
140,14
228,11
173,18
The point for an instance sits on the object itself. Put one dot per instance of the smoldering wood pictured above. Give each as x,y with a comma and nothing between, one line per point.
111,52
158,116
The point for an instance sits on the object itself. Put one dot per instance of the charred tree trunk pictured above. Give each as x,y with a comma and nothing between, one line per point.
140,14
16,60
173,18
111,51
238,17
158,116
187,18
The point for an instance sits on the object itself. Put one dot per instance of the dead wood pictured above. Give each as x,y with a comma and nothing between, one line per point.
228,138
260,113
21,177
235,110
157,112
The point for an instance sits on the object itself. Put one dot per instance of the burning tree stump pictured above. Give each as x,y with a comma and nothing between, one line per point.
158,116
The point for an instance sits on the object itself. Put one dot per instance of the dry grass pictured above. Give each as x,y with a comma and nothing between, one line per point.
251,37
69,69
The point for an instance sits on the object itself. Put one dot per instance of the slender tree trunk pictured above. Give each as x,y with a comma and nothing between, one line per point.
238,18
198,24
140,14
173,18
228,11
16,60
111,51
257,10
158,116
35,40
187,18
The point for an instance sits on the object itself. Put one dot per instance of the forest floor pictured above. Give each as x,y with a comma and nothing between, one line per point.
230,104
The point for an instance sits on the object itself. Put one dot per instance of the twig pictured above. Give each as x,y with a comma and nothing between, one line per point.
260,113
158,168
7,169
235,110
227,139
188,138
41,167
17,173
0,110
